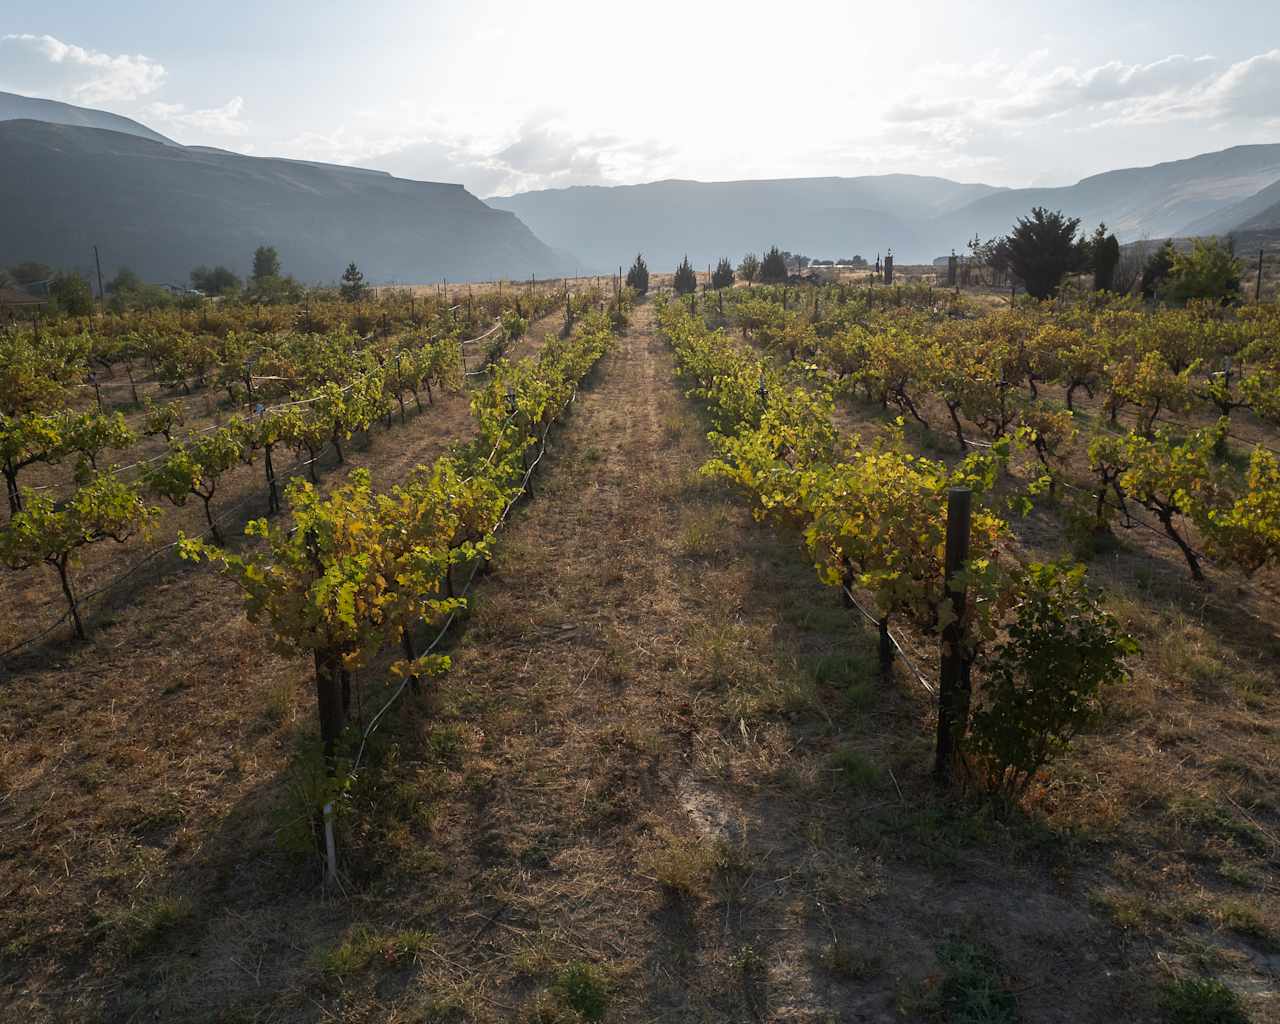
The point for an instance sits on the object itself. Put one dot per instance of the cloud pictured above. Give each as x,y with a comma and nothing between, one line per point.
223,120
541,153
1174,88
544,154
47,66
1249,88
1067,89
962,114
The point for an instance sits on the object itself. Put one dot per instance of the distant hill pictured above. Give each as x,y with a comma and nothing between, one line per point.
161,209
71,177
1156,202
920,217
605,226
1264,220
30,108
1261,211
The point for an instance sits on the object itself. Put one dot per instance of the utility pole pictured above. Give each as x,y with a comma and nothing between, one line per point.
98,264
1257,288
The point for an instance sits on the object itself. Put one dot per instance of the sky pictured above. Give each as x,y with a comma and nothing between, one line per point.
506,97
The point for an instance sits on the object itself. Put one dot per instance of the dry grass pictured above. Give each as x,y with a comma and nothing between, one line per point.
663,782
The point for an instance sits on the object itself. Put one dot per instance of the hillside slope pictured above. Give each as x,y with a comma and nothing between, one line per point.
1238,215
14,107
163,209
604,226
920,217
1137,202
1263,220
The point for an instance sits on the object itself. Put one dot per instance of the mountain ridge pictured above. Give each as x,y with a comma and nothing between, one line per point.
16,107
1259,211
883,211
591,228
161,209
604,225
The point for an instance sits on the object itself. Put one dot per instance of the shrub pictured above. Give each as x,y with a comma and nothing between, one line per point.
214,280
1197,1001
854,768
1041,683
129,291
972,990
71,294
584,989
1209,271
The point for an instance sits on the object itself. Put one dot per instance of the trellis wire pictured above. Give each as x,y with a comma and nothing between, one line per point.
929,687
374,722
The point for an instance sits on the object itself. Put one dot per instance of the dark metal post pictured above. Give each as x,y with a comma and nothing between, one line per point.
953,690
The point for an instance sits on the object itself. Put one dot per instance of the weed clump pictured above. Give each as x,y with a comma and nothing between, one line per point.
1201,1001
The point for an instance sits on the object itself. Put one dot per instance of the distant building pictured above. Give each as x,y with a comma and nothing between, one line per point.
16,298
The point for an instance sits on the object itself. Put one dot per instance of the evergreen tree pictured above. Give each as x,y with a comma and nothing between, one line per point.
685,281
749,268
723,276
773,269
353,287
1156,270
1043,249
638,276
1106,257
